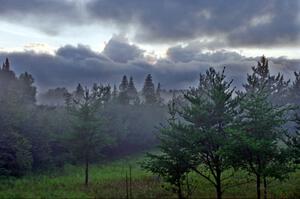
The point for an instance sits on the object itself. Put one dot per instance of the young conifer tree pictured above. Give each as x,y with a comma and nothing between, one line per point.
201,132
88,136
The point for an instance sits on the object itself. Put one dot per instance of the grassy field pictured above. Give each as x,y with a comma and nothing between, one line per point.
108,181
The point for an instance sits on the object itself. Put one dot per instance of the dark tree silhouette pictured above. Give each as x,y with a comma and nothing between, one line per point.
149,90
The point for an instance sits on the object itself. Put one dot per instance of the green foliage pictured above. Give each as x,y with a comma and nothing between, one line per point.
276,86
293,142
209,115
18,112
15,154
172,163
257,143
199,135
87,137
258,140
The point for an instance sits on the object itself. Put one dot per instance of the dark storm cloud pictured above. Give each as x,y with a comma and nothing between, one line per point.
73,64
119,50
231,22
81,52
239,23
48,15
194,53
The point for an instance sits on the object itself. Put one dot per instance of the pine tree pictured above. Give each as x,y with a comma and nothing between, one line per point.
132,92
6,65
123,94
256,144
210,111
7,76
124,84
149,90
200,134
275,85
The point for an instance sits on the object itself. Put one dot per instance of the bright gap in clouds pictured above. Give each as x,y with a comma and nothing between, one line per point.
21,38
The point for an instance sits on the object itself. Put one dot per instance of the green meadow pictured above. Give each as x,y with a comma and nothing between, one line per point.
108,180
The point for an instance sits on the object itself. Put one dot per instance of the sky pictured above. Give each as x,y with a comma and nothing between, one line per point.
64,42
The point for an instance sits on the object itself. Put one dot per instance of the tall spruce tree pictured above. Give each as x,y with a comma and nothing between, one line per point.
123,88
149,90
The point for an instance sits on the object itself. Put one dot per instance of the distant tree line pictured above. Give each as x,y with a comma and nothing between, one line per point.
125,94
83,126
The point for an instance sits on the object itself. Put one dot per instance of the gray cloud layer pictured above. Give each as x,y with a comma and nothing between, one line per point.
180,69
233,22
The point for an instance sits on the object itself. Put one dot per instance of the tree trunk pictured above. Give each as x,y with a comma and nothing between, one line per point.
218,185
217,176
179,192
258,186
265,188
86,172
130,183
127,192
